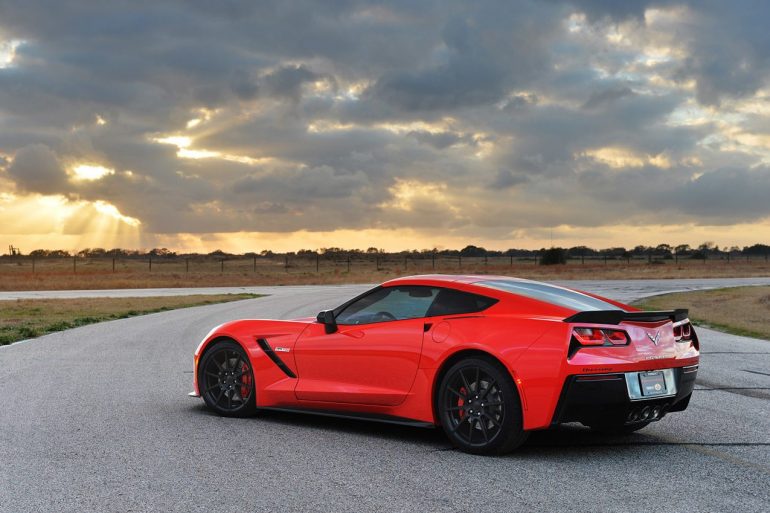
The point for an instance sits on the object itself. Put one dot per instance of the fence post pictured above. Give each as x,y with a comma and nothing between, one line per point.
113,264
286,263
187,265
150,263
433,260
511,260
377,262
255,263
348,264
317,262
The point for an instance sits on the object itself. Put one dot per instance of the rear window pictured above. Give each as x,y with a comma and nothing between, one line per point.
549,294
455,302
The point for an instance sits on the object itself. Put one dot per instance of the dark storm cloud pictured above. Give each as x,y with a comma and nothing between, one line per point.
441,140
481,58
711,198
506,178
606,96
556,134
36,168
287,81
330,101
716,194
731,51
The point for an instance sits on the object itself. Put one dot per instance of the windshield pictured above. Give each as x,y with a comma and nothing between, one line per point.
549,294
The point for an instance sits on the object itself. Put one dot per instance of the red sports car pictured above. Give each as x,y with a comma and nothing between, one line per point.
488,358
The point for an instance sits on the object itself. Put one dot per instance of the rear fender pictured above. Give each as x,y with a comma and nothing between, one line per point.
500,343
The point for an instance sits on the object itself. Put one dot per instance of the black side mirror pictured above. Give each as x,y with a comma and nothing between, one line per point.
327,318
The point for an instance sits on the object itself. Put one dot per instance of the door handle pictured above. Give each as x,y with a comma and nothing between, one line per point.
426,327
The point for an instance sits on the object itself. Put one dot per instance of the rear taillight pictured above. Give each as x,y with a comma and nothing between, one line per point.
683,332
600,337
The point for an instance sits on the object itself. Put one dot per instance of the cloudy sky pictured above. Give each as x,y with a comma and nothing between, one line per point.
404,124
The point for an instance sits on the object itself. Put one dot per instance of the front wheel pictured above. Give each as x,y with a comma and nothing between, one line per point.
226,380
479,407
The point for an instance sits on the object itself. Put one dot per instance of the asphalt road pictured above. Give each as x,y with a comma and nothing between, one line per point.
97,419
623,290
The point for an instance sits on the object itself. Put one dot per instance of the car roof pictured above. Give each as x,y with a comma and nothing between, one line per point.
506,286
446,278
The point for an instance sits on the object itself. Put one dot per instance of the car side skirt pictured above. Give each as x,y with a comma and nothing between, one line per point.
352,415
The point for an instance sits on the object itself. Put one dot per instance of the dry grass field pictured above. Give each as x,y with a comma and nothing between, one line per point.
738,310
65,274
31,318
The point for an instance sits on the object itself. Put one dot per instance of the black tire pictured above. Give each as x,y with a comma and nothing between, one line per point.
479,407
619,429
226,380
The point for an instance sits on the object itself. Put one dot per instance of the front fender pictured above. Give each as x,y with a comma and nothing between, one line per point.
246,333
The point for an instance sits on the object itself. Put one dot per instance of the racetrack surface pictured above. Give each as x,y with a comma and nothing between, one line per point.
622,290
97,419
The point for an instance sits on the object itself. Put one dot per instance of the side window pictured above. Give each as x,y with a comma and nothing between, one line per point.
389,304
453,302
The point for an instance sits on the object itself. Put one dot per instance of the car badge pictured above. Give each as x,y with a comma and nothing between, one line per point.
655,338
282,349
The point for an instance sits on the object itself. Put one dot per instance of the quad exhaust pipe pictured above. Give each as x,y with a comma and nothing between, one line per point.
645,414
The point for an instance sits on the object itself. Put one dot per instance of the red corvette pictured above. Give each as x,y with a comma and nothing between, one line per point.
488,358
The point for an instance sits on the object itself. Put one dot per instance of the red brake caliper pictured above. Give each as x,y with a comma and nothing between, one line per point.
461,402
245,380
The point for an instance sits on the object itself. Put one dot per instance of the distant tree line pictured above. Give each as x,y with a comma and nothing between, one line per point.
548,255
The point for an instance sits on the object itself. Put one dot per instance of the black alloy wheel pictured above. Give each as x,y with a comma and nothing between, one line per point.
479,407
226,380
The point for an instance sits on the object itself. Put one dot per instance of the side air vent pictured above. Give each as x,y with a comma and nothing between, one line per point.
276,360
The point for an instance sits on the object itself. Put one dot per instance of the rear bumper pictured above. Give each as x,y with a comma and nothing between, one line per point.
596,399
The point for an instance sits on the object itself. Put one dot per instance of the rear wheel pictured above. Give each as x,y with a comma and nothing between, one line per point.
226,380
479,407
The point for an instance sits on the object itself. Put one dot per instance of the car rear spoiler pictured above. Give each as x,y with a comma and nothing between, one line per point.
618,316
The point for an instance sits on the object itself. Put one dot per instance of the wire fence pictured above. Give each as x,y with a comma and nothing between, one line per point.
324,263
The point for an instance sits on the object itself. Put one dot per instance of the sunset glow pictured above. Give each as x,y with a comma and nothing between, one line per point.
91,172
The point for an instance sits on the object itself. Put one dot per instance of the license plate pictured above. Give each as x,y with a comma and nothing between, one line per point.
652,383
